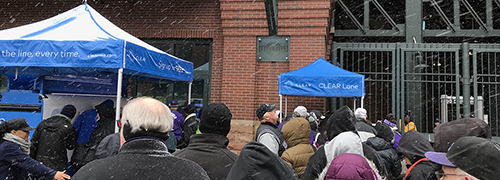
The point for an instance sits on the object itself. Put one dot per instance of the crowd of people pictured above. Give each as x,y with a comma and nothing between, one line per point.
156,141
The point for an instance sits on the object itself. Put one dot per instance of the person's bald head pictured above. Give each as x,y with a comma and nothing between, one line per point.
145,113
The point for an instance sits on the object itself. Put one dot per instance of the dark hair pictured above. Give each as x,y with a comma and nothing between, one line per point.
391,118
3,130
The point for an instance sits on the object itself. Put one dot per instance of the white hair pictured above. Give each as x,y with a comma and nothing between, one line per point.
149,114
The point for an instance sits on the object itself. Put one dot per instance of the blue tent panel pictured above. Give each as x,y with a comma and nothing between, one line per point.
323,79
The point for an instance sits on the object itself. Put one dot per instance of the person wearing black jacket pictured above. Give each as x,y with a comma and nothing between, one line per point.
52,137
343,138
209,149
414,146
388,155
143,154
257,162
15,163
85,152
189,127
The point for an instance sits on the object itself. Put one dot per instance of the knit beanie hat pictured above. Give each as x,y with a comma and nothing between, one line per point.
69,111
216,118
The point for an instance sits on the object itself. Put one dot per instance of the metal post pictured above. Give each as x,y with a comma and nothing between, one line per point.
444,108
118,97
457,85
477,108
466,78
362,98
413,21
286,105
189,92
281,108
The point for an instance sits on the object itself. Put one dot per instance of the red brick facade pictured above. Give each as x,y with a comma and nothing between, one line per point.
237,78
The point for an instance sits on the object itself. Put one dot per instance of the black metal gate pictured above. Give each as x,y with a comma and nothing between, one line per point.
404,78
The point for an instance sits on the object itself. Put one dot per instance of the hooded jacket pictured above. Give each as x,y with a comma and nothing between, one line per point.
257,162
51,139
343,139
364,130
388,156
350,166
296,133
209,150
414,146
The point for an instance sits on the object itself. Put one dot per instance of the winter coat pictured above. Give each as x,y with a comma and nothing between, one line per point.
365,130
410,127
178,123
109,146
257,162
296,133
414,146
142,158
209,150
85,125
343,139
85,152
388,155
51,139
350,166
267,128
189,128
16,164
372,155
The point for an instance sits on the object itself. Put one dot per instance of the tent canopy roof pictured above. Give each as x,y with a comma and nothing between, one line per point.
81,41
323,79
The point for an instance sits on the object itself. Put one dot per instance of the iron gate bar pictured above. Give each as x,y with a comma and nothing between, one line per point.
474,14
351,16
442,15
497,2
384,13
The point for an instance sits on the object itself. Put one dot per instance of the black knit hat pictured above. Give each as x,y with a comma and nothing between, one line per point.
216,118
69,111
263,109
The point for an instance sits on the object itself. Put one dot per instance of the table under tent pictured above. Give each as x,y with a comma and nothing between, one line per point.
80,58
321,79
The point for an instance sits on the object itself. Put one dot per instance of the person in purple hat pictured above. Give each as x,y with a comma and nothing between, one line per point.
178,118
468,158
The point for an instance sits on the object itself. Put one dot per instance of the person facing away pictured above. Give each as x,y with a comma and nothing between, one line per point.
257,162
268,133
190,126
350,166
178,118
364,129
449,132
413,146
382,143
52,137
15,163
297,134
342,137
87,122
85,152
143,154
468,158
209,149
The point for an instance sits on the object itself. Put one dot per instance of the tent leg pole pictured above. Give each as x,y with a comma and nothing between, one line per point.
354,103
189,92
362,98
286,105
118,96
281,108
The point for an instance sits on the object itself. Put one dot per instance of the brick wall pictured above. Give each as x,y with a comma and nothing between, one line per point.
247,83
237,78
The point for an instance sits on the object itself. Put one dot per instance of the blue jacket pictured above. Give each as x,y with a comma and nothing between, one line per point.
15,164
85,125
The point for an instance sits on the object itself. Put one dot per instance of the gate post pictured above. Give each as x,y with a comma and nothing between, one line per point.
466,78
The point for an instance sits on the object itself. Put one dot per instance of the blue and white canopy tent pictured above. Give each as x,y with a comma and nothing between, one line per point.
321,79
81,42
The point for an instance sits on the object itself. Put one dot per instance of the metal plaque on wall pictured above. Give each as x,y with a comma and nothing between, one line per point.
273,48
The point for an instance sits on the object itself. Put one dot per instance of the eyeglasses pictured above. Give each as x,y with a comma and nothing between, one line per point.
440,175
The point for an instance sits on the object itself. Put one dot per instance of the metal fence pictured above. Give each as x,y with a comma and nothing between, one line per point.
412,79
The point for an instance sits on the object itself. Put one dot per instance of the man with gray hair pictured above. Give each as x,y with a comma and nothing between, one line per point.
143,155
364,128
